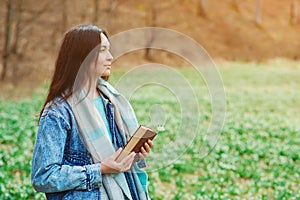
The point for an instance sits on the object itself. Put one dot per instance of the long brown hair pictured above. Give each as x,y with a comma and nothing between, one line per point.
79,45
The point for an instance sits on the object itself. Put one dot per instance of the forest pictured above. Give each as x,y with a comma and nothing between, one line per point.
228,127
249,30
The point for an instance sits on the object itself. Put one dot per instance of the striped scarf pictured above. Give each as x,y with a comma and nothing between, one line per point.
94,134
118,142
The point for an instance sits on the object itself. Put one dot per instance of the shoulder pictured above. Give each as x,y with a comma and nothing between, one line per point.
58,109
58,106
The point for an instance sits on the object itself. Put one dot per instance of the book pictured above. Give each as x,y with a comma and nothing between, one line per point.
140,136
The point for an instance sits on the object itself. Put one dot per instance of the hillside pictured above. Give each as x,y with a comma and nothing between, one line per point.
228,31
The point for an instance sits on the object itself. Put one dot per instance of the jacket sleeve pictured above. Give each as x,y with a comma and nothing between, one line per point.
48,173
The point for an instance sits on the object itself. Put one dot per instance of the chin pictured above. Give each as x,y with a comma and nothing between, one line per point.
106,74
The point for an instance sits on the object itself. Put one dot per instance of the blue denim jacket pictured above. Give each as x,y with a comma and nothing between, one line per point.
61,165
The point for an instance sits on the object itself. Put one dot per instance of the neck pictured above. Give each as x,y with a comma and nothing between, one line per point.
96,93
93,91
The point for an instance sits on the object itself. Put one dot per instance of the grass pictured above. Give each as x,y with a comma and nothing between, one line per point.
256,155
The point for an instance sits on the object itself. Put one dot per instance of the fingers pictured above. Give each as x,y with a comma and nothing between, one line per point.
150,143
142,155
147,147
127,162
145,150
109,165
128,158
116,154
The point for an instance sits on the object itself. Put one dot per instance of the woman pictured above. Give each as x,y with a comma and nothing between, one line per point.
83,125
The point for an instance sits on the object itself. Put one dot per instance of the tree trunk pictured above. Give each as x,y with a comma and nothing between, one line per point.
258,20
64,16
235,6
151,22
6,50
15,46
96,11
201,9
111,6
293,12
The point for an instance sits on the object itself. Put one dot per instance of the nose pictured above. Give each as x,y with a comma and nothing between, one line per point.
109,56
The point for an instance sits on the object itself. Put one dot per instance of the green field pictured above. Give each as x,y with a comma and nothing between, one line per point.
256,155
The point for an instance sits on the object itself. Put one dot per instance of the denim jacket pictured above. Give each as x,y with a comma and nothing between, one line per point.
61,165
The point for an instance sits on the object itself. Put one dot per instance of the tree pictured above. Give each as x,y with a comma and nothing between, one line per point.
293,12
15,28
201,9
96,11
15,45
112,7
151,22
258,20
64,16
7,37
235,5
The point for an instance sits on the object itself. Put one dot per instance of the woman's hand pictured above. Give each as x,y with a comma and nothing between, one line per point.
145,150
109,165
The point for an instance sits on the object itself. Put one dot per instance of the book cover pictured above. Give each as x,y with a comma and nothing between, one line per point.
141,135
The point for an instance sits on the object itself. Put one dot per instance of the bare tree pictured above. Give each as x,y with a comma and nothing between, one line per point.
151,20
35,16
201,11
15,28
293,12
112,6
6,48
26,25
111,12
96,11
258,20
235,5
15,45
64,15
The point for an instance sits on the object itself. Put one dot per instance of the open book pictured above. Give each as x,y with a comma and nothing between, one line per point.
141,135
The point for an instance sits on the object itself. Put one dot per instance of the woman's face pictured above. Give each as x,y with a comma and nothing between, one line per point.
105,58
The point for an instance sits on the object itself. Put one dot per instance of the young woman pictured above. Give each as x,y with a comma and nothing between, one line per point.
83,125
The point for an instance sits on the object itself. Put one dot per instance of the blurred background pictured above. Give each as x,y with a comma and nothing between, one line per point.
248,30
256,47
